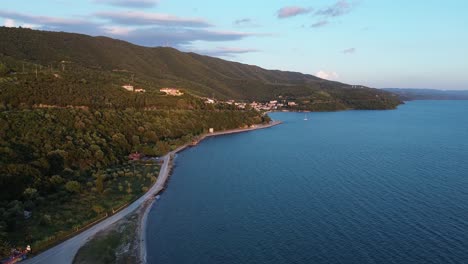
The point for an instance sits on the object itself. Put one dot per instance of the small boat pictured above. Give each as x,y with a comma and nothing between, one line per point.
305,117
158,197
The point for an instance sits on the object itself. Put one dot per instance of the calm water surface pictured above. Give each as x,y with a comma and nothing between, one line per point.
343,187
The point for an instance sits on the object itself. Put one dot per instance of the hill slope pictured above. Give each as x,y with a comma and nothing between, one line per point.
162,67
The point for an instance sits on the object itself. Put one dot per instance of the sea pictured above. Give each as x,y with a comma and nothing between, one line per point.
340,187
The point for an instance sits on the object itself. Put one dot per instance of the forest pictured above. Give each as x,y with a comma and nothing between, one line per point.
67,166
65,138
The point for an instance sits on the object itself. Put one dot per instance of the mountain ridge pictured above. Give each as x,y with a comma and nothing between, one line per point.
199,74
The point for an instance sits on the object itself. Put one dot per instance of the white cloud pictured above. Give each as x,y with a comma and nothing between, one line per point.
327,75
291,11
9,23
31,26
117,30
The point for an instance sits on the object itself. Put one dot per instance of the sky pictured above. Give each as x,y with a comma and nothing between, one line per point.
378,43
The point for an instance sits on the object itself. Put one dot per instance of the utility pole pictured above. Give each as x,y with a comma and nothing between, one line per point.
36,71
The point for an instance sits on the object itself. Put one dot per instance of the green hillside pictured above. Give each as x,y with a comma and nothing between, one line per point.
154,68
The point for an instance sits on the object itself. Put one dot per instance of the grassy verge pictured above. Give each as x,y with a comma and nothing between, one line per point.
118,244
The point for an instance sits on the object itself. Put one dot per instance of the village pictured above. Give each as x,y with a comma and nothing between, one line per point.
273,105
263,106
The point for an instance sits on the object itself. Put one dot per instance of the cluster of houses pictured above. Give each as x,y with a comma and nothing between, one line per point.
168,91
265,106
171,91
259,106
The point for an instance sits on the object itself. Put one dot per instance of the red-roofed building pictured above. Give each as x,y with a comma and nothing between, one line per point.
135,156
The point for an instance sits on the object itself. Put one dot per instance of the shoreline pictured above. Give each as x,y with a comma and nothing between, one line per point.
65,251
166,173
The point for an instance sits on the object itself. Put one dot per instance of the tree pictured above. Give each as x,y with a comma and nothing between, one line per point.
162,147
56,180
73,186
100,183
56,161
30,193
3,69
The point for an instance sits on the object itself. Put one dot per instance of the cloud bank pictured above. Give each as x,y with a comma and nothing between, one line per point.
340,8
143,18
148,29
224,51
180,37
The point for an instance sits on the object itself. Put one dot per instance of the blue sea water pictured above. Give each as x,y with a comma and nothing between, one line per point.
342,187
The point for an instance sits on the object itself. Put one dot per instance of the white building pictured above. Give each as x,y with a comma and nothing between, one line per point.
128,87
131,88
171,91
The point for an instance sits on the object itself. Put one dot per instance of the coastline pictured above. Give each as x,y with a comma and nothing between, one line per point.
66,250
166,172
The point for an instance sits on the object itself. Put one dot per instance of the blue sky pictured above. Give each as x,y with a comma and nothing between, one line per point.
415,44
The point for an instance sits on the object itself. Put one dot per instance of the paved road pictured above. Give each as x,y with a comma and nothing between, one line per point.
65,252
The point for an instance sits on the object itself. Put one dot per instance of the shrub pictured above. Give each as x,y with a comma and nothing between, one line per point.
30,193
45,220
98,209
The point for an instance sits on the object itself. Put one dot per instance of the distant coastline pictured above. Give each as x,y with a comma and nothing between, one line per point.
428,94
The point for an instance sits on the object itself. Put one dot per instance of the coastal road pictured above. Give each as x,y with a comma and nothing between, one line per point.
65,252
